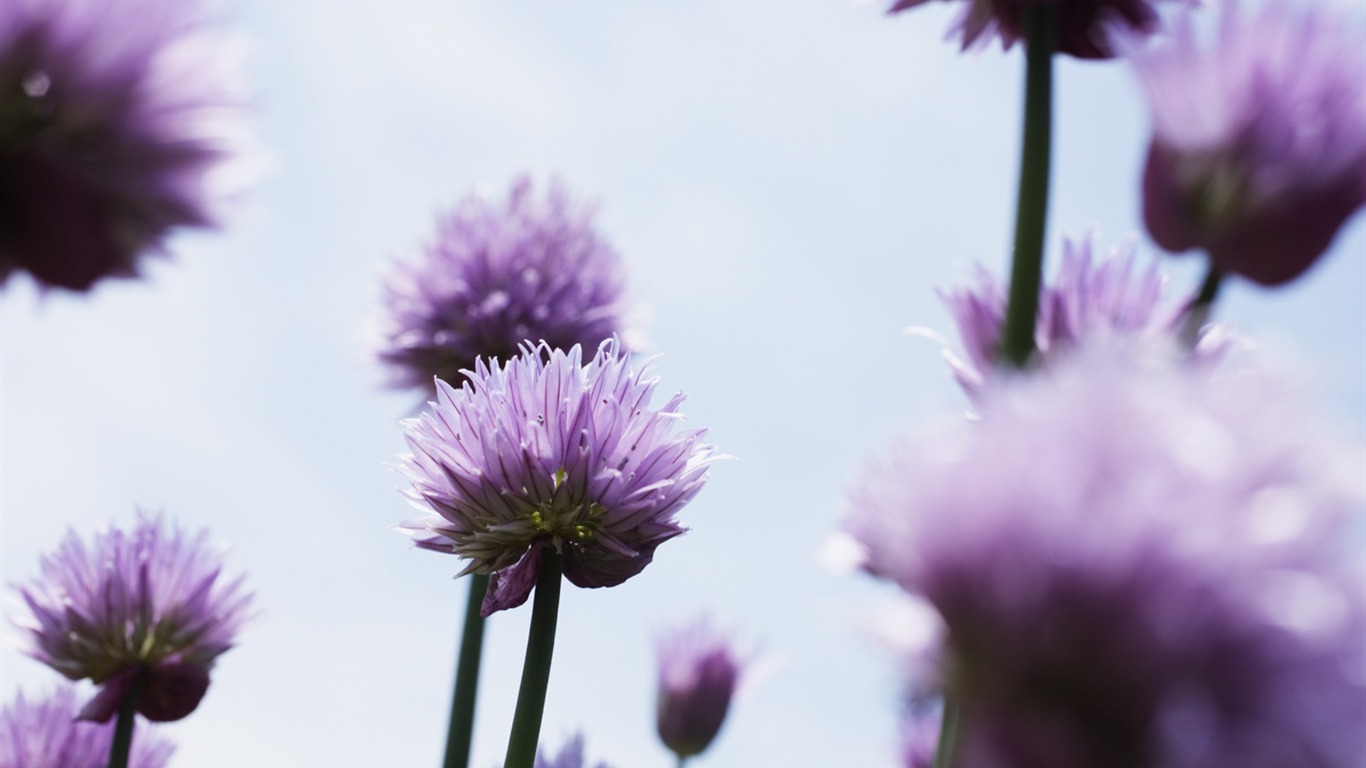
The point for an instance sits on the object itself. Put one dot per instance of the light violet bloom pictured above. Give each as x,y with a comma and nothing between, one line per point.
920,736
549,451
1138,564
1094,300
499,274
46,733
698,672
148,605
570,756
1085,27
117,122
1258,153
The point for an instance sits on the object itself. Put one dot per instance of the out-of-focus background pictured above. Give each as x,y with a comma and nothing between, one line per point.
788,183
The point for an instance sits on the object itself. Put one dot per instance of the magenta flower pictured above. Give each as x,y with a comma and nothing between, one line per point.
698,672
47,734
1093,300
1137,564
116,119
1258,154
1085,27
496,276
144,606
547,451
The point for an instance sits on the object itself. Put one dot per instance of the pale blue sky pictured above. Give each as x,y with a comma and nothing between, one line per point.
788,181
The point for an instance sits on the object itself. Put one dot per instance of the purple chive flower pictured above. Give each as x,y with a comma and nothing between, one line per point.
147,605
1137,565
698,671
116,117
570,756
547,451
47,734
920,737
1258,154
1093,301
1085,27
498,275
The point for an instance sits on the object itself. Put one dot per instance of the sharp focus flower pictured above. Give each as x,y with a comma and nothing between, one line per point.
1092,301
1137,565
1258,154
116,117
146,607
698,671
496,276
47,734
570,756
545,451
1085,27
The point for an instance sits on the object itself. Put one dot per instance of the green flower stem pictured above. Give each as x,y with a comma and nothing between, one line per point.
1031,212
540,646
948,734
123,727
1198,312
681,761
459,735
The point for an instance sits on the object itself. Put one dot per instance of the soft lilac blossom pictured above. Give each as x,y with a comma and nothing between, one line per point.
116,119
497,275
570,756
46,733
149,606
920,736
1093,300
1258,154
548,451
1138,564
1085,27
698,672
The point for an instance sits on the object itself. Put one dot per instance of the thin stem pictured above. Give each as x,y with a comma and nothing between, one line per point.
1031,212
1198,311
540,646
459,734
948,734
681,761
122,744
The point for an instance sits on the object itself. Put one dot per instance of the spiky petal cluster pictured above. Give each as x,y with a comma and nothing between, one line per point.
116,119
1093,301
698,672
1138,564
46,734
1258,153
570,756
548,451
1085,27
147,606
497,275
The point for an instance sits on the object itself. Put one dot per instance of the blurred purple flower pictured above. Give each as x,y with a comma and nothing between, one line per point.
116,119
145,606
698,672
570,756
496,276
920,737
545,451
47,734
1092,301
1258,153
1085,27
1138,564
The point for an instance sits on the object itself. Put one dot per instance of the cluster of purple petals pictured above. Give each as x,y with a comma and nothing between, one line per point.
1092,301
498,275
1085,27
698,672
1258,154
570,756
148,605
45,733
1138,564
549,451
920,737
116,119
